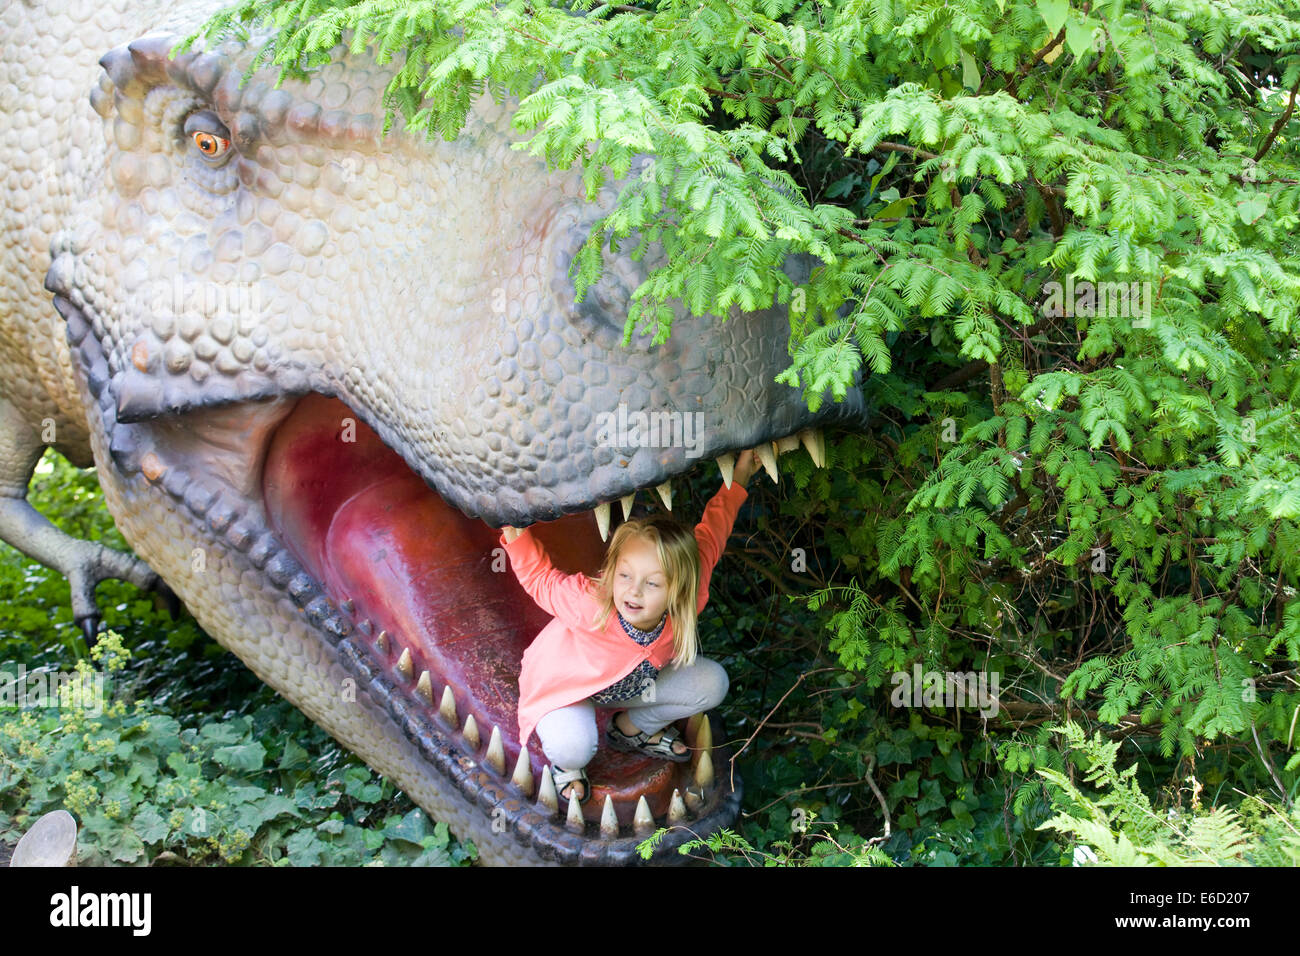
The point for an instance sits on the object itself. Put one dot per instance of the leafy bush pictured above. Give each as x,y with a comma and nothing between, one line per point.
1118,826
193,759
146,789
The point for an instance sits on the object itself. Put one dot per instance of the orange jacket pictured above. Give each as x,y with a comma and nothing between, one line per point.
569,661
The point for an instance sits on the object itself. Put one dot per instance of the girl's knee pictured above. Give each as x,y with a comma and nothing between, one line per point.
568,737
714,683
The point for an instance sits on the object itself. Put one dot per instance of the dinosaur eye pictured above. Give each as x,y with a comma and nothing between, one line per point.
211,146
208,134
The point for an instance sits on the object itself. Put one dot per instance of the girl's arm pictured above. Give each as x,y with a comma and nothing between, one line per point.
561,595
719,517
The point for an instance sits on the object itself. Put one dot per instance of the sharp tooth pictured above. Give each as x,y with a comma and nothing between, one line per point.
381,642
546,795
608,820
704,737
693,727
768,458
676,809
809,439
694,799
727,465
644,821
627,501
602,520
788,443
821,446
666,493
365,627
704,771
404,663
349,605
574,821
448,706
523,775
470,733
496,752
425,687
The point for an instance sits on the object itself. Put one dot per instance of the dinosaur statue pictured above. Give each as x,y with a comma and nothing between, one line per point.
316,368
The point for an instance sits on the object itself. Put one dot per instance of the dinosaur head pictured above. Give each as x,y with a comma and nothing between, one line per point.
324,365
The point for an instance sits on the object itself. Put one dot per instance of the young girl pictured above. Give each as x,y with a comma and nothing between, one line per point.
643,655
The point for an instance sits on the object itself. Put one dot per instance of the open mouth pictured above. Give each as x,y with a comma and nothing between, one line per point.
418,600
439,615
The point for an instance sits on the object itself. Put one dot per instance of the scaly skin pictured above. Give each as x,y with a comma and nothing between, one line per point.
421,286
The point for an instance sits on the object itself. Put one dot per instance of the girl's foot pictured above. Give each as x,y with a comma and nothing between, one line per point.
570,784
624,735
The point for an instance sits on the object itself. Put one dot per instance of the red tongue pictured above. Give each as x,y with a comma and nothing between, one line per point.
368,528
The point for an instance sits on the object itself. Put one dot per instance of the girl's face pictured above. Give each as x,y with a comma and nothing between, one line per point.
640,585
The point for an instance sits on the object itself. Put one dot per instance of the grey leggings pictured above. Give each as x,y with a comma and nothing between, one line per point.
569,735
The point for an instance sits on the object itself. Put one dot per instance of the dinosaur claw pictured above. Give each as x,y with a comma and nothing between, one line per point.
90,628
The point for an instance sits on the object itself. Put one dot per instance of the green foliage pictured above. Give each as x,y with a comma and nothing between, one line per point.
731,849
145,789
190,759
1062,240
1119,827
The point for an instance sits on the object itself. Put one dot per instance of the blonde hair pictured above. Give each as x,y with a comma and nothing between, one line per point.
679,556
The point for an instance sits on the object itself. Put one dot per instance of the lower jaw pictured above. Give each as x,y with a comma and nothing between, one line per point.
439,624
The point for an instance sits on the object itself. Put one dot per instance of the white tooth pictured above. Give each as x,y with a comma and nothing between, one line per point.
809,439
608,820
694,799
546,795
627,505
704,771
676,809
704,737
666,493
788,443
821,447
405,665
693,726
448,706
575,822
496,752
727,465
523,775
602,520
425,687
768,458
470,733
643,822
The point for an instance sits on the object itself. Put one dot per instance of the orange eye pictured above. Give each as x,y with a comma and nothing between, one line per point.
211,145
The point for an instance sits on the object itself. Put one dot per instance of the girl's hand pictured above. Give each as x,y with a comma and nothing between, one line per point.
746,464
510,532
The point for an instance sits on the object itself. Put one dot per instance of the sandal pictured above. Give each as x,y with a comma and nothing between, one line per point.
565,778
640,743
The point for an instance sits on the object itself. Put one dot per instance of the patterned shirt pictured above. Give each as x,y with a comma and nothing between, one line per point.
635,683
